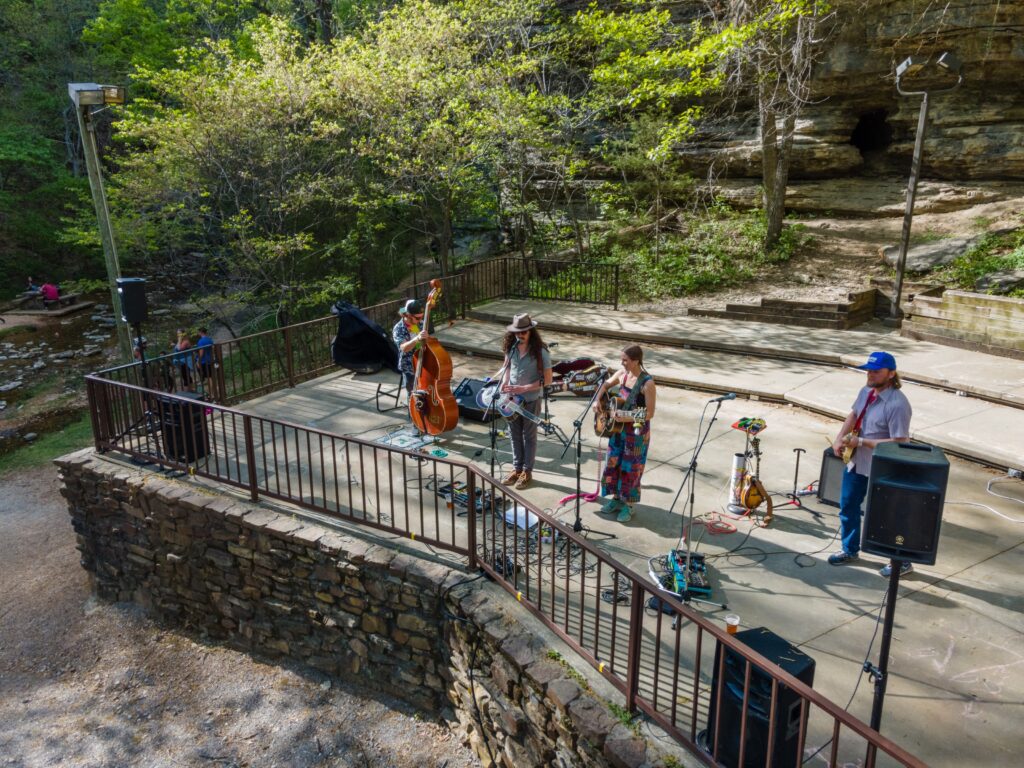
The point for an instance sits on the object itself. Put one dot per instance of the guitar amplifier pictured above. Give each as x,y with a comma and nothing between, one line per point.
830,482
468,394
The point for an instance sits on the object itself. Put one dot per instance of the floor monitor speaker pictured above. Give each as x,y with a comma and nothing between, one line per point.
730,679
906,492
184,428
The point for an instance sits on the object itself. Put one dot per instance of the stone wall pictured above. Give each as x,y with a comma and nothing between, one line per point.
857,123
273,583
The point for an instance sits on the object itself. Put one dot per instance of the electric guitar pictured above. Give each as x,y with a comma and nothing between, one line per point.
508,405
606,417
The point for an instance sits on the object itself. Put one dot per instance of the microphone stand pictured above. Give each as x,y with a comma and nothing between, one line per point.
577,436
690,482
490,413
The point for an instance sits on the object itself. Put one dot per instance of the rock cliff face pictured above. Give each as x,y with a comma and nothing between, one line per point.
860,125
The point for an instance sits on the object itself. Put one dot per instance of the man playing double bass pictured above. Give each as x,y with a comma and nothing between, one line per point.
408,334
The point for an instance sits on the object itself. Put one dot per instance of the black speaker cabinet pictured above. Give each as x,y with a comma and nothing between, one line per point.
132,292
471,403
787,704
185,436
906,491
830,482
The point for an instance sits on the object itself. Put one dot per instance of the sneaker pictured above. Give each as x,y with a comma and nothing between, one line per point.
625,514
524,480
511,477
611,506
886,570
841,558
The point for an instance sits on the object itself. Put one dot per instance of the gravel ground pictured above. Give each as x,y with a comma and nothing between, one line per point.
84,683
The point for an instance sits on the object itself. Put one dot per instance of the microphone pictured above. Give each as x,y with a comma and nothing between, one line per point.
730,396
552,345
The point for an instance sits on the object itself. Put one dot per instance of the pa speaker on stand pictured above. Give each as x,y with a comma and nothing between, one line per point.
132,292
906,492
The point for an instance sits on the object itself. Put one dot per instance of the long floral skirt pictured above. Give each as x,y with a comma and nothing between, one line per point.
627,455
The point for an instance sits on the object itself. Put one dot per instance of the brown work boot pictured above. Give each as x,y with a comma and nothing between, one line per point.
511,477
524,480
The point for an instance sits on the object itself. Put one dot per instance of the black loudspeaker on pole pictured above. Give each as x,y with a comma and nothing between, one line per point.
906,491
132,293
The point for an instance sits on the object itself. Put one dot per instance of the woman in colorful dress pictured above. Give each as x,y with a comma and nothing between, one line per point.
627,448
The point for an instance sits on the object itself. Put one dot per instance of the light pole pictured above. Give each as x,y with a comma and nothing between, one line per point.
85,96
946,63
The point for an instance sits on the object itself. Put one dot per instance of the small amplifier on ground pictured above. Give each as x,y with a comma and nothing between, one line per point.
830,482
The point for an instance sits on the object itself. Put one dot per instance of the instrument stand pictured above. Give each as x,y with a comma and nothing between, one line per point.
577,437
734,508
690,482
795,494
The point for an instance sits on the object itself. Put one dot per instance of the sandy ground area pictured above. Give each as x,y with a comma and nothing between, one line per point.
84,683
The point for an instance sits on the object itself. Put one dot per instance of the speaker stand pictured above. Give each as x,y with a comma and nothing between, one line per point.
879,674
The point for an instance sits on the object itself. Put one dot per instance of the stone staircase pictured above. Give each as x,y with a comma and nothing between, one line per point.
858,308
977,321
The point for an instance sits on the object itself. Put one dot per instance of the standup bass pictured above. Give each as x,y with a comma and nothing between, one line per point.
432,406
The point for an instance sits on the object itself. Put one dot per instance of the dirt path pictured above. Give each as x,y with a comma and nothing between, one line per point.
84,683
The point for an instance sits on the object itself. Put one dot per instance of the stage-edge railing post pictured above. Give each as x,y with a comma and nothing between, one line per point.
250,458
288,356
636,630
615,298
471,516
90,389
221,394
462,291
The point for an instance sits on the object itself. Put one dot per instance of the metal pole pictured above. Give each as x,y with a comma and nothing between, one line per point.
86,128
908,215
880,673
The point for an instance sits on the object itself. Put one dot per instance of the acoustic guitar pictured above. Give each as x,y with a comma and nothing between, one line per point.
607,417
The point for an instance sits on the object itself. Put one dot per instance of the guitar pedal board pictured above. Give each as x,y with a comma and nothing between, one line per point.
456,497
695,579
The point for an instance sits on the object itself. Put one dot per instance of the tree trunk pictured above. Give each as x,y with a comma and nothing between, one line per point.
325,19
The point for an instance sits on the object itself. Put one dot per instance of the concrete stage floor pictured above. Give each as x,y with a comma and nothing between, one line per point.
956,690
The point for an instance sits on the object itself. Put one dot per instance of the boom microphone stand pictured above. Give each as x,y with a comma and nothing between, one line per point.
690,482
577,436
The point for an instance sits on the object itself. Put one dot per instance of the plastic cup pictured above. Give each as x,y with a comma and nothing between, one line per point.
732,623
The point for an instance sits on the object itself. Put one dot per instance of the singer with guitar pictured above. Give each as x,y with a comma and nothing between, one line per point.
527,370
880,414
633,409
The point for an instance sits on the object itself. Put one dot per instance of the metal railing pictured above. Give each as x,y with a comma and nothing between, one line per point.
659,661
663,661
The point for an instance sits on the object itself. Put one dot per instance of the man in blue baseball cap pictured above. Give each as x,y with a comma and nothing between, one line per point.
880,414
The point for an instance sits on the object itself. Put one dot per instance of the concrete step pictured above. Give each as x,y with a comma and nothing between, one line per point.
967,319
955,337
999,304
753,317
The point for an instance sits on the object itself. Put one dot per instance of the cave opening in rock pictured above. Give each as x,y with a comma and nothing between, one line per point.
873,132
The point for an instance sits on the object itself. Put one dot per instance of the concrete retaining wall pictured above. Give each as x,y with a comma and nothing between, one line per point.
274,584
